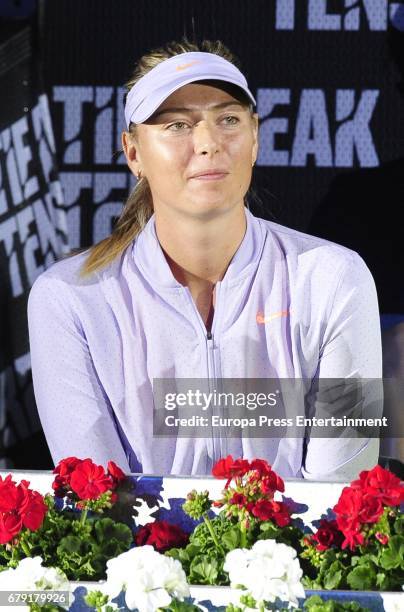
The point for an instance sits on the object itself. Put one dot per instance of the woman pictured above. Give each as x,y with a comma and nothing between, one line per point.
191,285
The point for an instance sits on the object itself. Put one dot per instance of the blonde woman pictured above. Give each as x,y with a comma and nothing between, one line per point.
191,285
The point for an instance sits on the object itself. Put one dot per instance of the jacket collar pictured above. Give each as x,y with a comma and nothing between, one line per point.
152,263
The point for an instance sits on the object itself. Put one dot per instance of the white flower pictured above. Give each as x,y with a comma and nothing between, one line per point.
53,578
24,576
268,570
150,580
30,575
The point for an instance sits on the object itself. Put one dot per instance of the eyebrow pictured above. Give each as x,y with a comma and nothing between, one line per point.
182,109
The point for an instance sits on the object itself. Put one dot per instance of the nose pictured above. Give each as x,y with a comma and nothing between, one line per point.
205,139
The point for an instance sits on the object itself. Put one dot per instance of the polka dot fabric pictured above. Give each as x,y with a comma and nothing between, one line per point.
290,306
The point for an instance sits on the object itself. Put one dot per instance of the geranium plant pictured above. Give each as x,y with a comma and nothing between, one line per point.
248,513
144,580
66,529
52,590
268,573
162,535
362,546
21,509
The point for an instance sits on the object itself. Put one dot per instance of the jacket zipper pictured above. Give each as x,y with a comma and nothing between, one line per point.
211,382
216,445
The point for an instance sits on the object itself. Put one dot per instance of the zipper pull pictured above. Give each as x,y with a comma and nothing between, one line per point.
209,335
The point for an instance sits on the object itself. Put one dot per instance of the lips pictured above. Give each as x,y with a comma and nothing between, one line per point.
213,174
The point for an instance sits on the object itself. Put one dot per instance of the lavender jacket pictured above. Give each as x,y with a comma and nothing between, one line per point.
289,306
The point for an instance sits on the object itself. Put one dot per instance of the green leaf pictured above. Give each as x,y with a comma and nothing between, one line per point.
399,525
106,529
190,551
269,531
333,577
180,554
71,544
96,599
181,606
316,604
204,570
231,539
382,582
362,578
174,553
393,555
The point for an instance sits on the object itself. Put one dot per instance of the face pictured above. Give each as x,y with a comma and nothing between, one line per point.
197,150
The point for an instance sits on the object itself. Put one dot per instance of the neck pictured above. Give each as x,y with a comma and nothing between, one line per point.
199,251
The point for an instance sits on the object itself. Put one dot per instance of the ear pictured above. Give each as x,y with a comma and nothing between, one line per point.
131,151
254,119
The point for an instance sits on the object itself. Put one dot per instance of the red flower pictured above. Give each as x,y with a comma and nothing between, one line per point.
10,526
381,483
222,468
354,509
16,497
64,469
229,468
383,538
8,494
89,480
263,509
66,466
372,509
328,535
271,482
240,467
362,504
281,514
24,494
348,508
19,507
34,512
60,486
353,538
218,504
238,499
115,473
267,510
162,536
262,467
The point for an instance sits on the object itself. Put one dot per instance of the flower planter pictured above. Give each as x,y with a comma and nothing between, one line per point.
217,597
148,498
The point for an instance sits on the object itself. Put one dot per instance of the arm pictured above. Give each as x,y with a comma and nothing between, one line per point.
75,412
350,352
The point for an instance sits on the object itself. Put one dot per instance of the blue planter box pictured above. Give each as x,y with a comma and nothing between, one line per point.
150,498
216,598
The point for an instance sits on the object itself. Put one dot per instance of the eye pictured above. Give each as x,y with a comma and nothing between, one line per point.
177,126
231,120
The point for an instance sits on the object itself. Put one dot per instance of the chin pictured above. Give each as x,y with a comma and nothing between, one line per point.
209,207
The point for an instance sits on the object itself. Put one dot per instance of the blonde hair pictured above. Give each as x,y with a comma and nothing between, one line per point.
139,206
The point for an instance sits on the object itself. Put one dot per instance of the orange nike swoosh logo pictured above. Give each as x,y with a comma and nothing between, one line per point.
261,318
185,66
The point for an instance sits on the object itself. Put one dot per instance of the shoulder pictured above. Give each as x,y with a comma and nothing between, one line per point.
306,251
68,272
63,281
59,276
